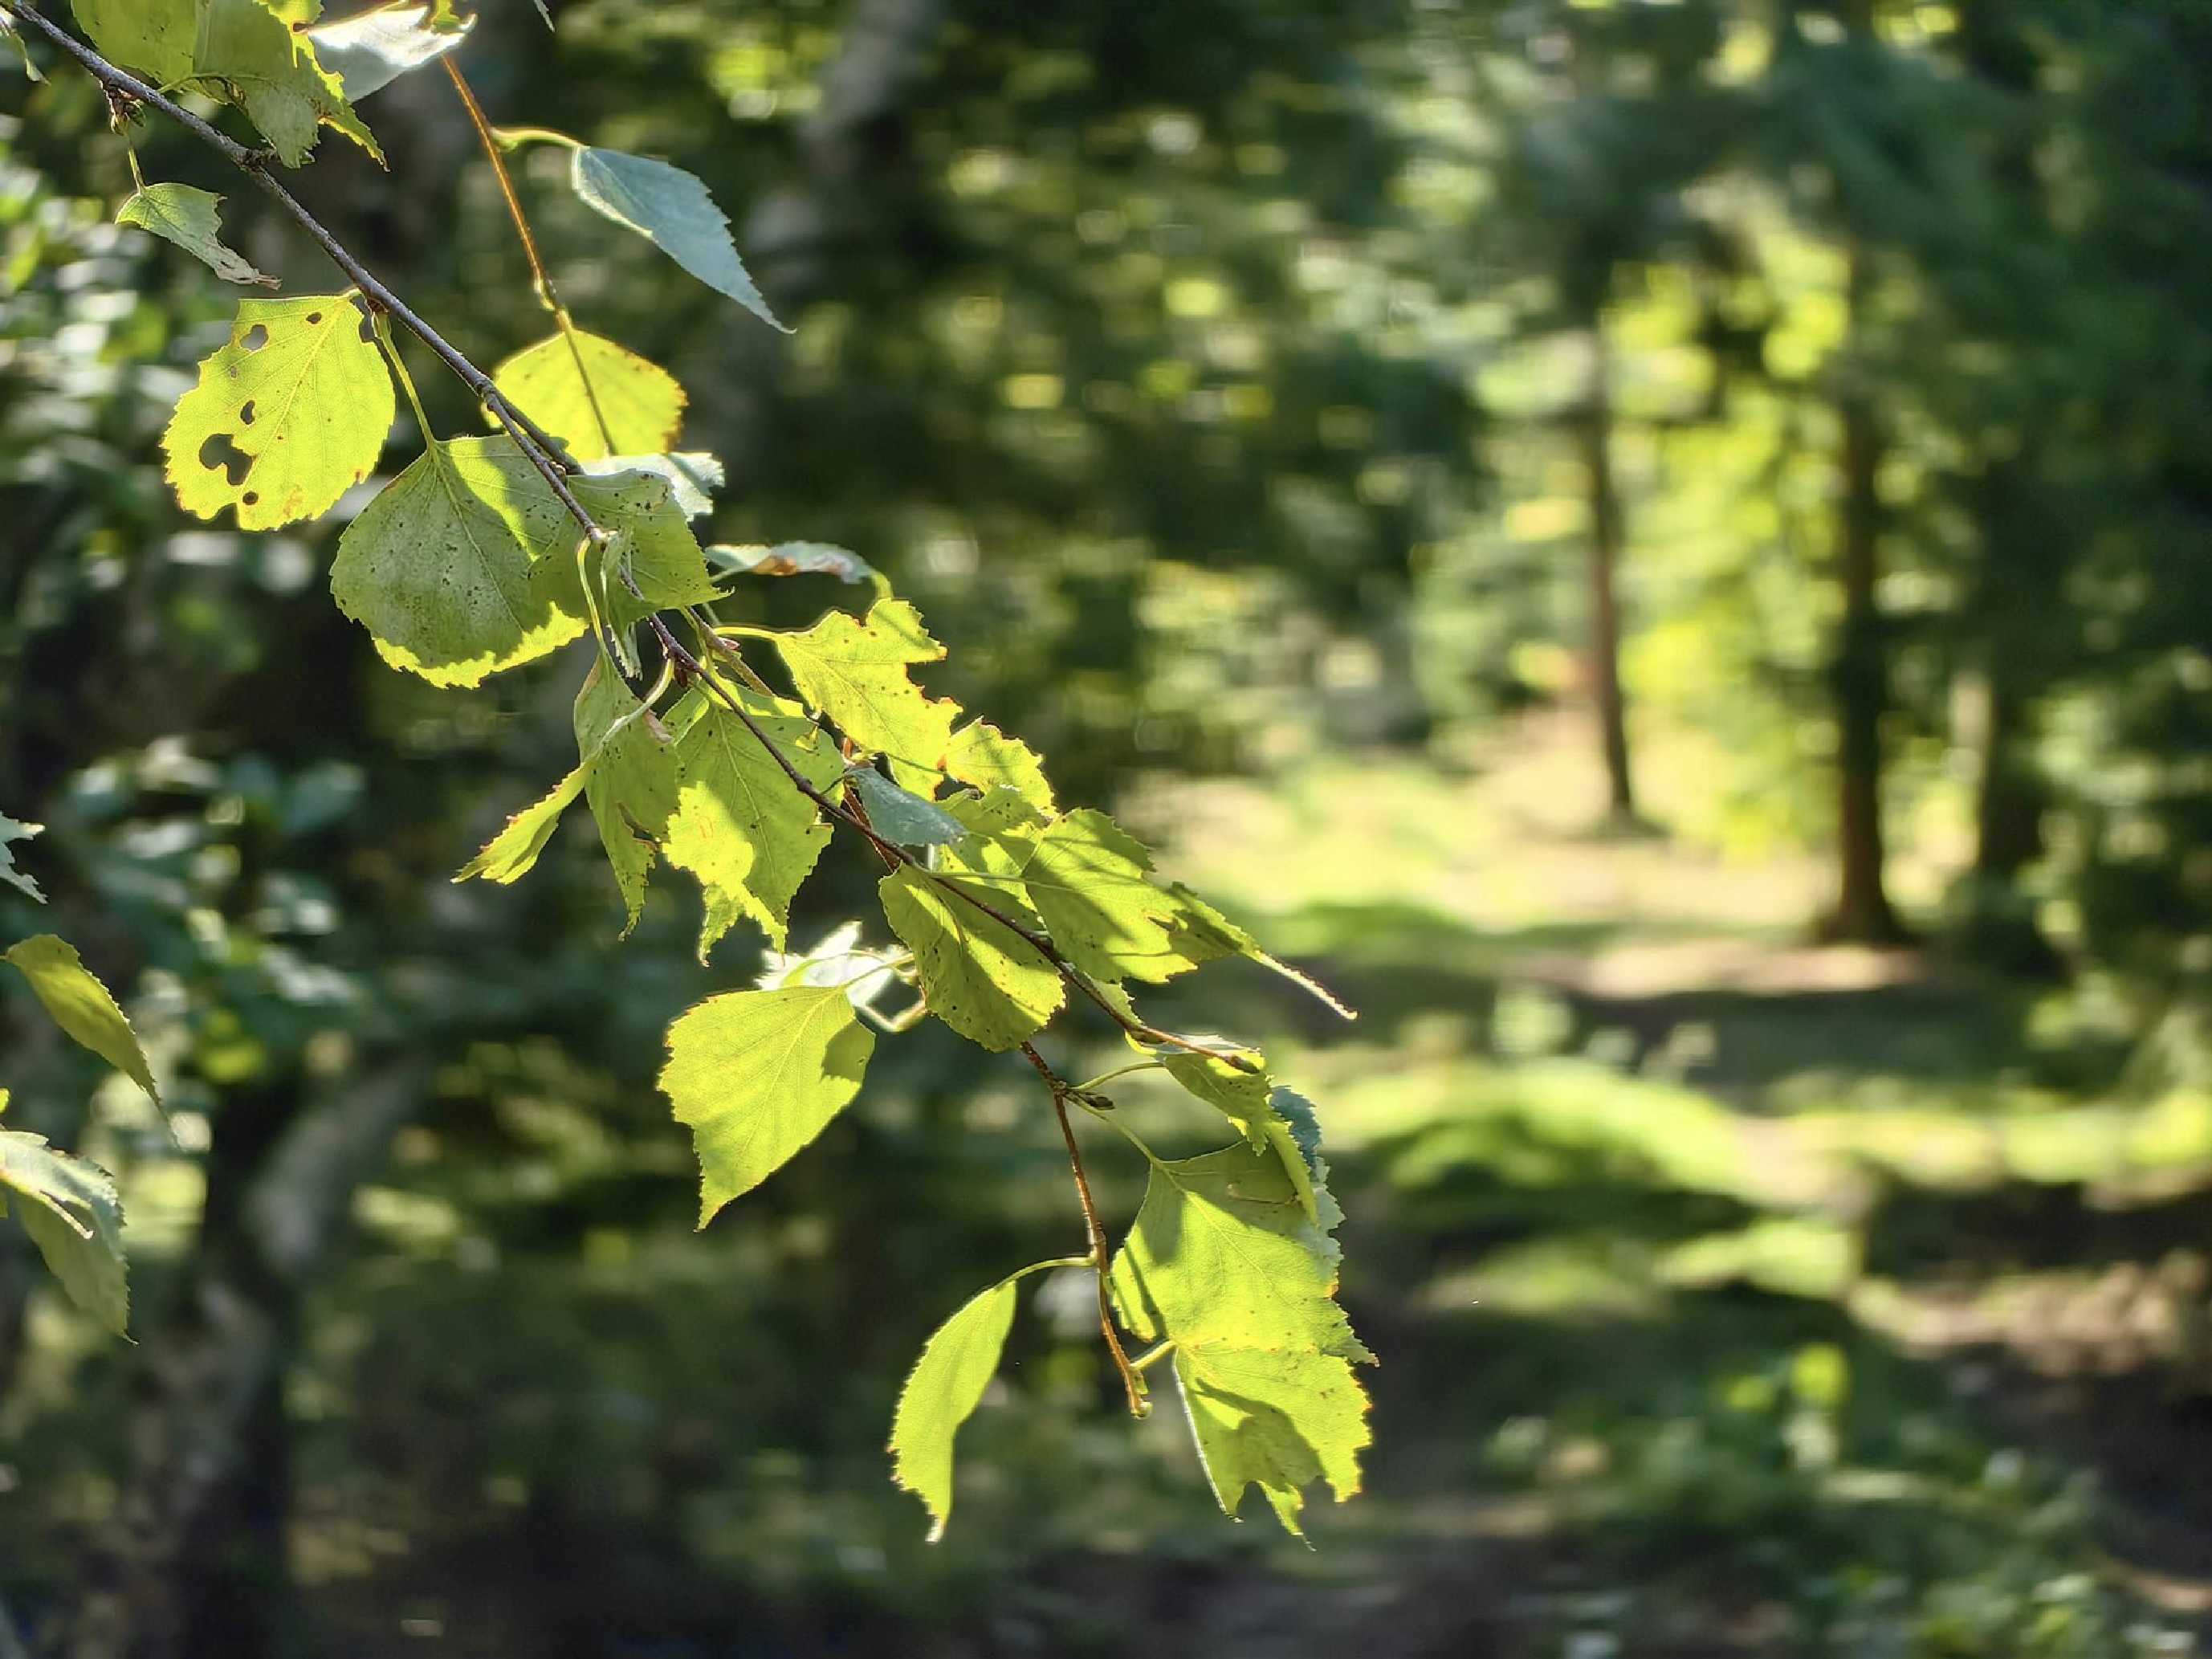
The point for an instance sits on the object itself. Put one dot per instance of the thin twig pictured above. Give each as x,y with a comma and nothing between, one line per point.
1061,1091
546,454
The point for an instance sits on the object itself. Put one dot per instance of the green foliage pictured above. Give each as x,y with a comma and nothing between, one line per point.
1225,1263
286,418
81,1005
463,565
854,671
487,553
11,830
739,825
758,1075
942,1392
980,977
69,1208
188,217
671,208
594,396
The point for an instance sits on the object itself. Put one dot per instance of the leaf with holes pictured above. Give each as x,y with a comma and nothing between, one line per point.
855,673
673,210
188,217
10,829
286,418
739,825
368,52
266,64
69,1207
81,1005
980,977
594,396
757,1075
464,565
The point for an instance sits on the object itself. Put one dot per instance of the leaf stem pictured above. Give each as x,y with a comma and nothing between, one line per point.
548,294
1131,1382
1104,1078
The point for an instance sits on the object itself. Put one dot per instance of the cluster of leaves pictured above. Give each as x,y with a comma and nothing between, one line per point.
573,518
68,1204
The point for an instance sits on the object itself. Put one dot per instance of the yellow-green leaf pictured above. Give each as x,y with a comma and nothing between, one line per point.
1276,1419
69,1207
188,217
153,36
464,565
740,824
757,1075
268,67
980,977
594,396
987,757
630,780
512,853
286,418
854,672
1089,880
942,1392
81,1006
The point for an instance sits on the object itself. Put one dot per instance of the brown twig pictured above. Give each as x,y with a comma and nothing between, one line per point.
546,454
1061,1089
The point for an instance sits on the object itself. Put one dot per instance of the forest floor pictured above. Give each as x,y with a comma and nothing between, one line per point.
1734,1297
1737,1295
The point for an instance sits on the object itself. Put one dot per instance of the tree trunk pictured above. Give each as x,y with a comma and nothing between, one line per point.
1859,674
194,1563
1607,533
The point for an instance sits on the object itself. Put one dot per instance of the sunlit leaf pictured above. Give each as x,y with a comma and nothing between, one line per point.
81,1005
673,210
188,217
511,854
987,757
1224,1260
463,564
369,52
594,396
942,1392
981,977
757,1075
692,476
153,36
630,782
269,67
854,672
69,1207
286,418
740,825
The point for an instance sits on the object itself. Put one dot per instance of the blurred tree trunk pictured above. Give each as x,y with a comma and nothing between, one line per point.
1859,671
194,1562
1594,436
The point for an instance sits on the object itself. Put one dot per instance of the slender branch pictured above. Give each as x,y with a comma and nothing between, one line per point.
1061,1091
496,155
546,454
543,450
